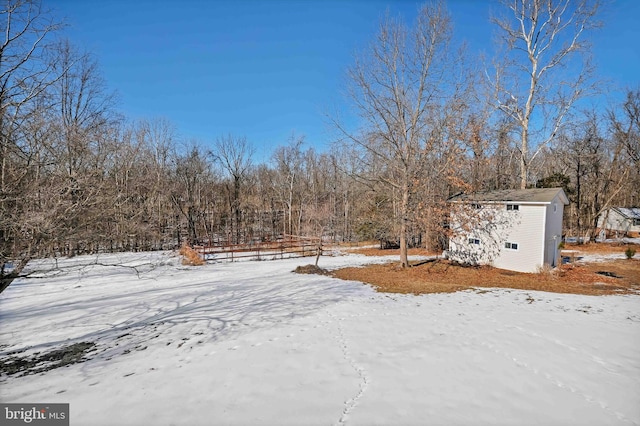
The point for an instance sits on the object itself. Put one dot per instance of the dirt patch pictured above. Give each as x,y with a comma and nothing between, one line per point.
311,269
442,276
37,363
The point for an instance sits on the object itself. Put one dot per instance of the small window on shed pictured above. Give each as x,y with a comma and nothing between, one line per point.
474,241
636,222
511,246
513,207
555,207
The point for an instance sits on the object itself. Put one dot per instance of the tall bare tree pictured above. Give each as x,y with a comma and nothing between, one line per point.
83,118
25,73
288,163
401,87
234,154
544,69
192,171
624,123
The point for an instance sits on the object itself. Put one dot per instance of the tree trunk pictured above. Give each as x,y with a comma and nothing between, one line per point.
524,151
404,207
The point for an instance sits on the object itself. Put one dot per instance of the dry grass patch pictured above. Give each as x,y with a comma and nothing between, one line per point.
371,251
311,269
442,276
602,248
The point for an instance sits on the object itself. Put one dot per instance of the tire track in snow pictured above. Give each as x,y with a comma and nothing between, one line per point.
350,403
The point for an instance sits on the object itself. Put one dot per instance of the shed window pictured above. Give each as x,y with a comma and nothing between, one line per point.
636,222
474,241
511,246
513,207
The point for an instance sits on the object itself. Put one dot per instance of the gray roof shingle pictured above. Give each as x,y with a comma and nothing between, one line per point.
533,195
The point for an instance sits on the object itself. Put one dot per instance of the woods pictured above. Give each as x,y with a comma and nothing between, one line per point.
77,177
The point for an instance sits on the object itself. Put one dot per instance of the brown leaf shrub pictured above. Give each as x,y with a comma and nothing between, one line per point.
190,257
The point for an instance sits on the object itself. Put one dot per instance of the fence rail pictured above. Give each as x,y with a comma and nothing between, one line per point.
287,246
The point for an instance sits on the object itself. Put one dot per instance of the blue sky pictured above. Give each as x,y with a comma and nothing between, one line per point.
267,69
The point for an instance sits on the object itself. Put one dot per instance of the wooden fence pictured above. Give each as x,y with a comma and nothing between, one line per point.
286,246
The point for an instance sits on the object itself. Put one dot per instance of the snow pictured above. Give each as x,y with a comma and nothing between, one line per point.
253,343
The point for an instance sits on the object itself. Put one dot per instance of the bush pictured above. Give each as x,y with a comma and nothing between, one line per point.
545,270
190,256
630,252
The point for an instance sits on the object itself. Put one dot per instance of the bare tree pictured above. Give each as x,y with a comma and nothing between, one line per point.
584,155
191,170
592,167
156,142
83,121
401,87
25,73
626,125
288,164
542,38
234,154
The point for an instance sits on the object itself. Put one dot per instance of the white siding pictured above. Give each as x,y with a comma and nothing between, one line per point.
489,225
616,222
468,253
524,227
529,234
536,227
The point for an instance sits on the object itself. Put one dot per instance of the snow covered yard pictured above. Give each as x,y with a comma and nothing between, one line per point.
253,343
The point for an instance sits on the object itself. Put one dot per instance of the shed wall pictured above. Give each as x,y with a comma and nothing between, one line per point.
528,233
524,227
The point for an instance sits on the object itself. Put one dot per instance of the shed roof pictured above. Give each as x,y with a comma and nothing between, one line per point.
629,213
533,195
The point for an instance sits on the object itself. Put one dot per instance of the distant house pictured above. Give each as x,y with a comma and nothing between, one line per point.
619,222
518,230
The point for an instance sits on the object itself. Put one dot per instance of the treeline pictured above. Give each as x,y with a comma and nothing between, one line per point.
76,177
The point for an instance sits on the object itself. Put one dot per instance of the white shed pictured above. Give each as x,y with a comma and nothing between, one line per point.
619,222
518,230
